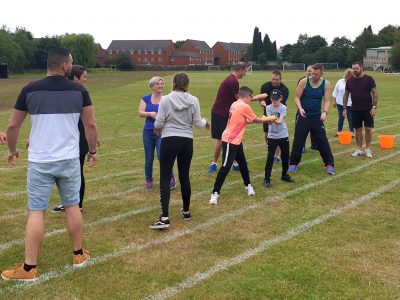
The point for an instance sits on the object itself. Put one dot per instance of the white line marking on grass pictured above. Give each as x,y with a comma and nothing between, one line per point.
266,244
134,247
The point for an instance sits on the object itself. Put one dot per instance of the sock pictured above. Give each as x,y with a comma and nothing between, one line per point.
78,252
27,267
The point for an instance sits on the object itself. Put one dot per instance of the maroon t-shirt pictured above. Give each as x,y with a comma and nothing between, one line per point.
360,91
226,95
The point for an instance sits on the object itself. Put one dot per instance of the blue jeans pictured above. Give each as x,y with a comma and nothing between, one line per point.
150,142
341,119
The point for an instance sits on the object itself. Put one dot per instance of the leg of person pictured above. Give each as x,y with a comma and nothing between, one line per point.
244,171
268,164
148,143
218,125
340,117
284,145
83,185
302,129
184,159
228,155
358,124
369,124
319,132
350,119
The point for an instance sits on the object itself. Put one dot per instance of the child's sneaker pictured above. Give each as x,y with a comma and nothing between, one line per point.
149,185
186,216
357,153
172,183
235,167
160,224
330,170
80,260
214,198
292,168
368,153
249,189
19,274
58,209
287,178
212,168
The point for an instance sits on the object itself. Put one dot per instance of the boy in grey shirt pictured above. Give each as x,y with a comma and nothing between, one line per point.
277,136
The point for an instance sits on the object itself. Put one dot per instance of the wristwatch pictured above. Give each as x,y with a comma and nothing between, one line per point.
374,106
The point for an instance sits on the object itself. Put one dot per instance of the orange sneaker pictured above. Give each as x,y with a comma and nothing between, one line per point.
19,274
80,260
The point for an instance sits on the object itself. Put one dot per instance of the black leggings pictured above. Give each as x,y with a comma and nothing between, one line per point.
82,190
283,143
181,149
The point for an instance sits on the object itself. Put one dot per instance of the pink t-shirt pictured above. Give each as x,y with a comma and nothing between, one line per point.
239,114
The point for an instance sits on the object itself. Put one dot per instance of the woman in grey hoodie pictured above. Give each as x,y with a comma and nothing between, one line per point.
178,112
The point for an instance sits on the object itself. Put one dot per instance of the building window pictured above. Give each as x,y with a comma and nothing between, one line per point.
132,51
139,51
160,59
159,51
139,59
145,51
152,51
152,59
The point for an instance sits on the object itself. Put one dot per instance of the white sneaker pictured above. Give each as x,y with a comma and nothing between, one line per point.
368,153
214,198
250,190
357,153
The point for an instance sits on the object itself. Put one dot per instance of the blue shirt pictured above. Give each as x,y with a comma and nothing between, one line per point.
150,107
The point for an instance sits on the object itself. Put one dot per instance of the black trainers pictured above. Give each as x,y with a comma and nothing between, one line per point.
267,184
287,178
58,209
160,224
186,216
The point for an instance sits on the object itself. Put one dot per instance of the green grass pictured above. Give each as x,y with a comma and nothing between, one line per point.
354,254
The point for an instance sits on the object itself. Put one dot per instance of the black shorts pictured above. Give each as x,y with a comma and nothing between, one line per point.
362,116
218,125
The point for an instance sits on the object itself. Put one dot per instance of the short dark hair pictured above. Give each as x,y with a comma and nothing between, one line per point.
318,67
180,82
277,72
56,57
77,72
240,66
358,63
245,91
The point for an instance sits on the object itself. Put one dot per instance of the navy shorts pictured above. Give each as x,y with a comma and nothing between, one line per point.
362,116
218,125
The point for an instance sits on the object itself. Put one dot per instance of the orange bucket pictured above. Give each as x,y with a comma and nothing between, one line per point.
345,137
386,141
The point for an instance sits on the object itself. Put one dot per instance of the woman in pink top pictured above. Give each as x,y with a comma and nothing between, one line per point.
232,148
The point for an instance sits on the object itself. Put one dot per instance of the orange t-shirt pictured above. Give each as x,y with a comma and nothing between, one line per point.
239,114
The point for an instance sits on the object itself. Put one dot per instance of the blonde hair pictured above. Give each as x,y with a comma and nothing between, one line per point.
348,73
154,80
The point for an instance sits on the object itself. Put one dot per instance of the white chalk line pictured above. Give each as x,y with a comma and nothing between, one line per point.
134,247
265,245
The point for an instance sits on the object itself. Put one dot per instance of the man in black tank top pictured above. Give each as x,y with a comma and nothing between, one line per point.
309,93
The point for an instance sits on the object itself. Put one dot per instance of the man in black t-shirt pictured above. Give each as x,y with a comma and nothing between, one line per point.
364,97
267,87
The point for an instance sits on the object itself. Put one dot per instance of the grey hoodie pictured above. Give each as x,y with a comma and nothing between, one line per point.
177,113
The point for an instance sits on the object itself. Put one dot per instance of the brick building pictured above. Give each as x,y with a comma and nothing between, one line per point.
229,53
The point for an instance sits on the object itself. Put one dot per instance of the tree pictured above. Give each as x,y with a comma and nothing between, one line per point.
314,43
262,58
365,40
274,51
388,35
267,47
11,52
82,47
43,45
341,46
25,40
123,62
285,53
394,59
255,53
177,44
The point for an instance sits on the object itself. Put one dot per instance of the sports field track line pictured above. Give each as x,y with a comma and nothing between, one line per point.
266,244
140,148
136,171
135,247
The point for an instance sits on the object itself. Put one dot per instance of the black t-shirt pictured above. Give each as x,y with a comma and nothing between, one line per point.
268,87
360,91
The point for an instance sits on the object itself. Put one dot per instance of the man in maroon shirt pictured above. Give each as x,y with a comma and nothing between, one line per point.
364,96
227,94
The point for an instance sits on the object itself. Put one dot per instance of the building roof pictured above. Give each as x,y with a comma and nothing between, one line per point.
185,54
128,45
234,46
381,48
200,45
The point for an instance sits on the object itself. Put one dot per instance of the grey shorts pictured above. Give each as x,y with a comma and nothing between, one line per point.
41,177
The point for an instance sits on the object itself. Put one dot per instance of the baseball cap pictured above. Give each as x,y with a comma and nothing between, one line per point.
275,94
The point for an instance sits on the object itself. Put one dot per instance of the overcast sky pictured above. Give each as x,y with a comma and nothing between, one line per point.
206,20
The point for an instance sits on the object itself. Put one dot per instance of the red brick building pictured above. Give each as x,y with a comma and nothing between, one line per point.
143,52
198,53
229,53
101,55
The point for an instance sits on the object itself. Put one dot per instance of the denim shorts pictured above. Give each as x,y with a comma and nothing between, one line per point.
41,177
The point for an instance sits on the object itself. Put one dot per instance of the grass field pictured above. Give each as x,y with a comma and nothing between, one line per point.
320,237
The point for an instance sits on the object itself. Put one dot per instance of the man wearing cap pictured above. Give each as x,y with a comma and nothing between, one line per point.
309,93
278,136
267,87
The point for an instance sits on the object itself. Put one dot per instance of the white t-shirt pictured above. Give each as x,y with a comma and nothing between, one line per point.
338,92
